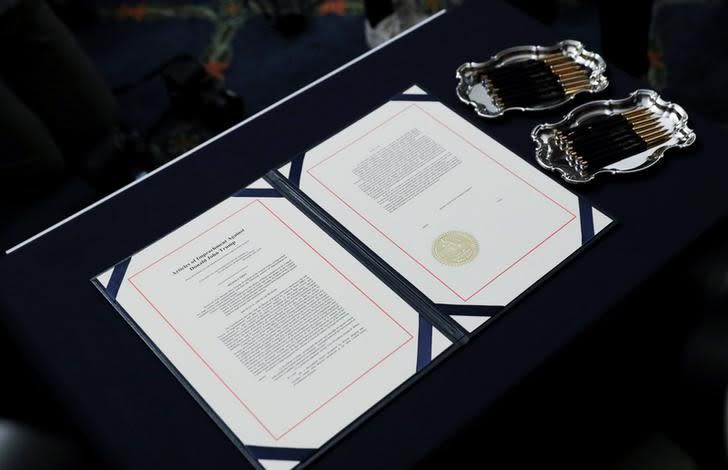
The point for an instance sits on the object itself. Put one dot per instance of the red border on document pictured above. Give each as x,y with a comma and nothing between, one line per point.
464,298
214,372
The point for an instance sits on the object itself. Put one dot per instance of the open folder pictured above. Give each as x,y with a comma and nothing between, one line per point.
304,302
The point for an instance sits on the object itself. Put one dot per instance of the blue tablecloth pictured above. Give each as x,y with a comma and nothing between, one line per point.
137,413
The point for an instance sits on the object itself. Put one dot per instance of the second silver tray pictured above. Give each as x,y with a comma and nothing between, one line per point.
552,152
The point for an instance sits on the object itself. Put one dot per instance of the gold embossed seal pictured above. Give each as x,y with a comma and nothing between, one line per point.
455,248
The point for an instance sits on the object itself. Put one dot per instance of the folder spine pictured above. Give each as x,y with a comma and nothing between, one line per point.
451,329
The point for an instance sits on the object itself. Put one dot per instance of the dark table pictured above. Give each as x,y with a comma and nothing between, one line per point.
139,416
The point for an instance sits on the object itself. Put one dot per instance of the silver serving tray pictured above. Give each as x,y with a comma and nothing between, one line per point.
550,147
472,91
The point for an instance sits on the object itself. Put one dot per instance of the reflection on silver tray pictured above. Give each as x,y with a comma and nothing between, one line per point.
471,89
552,152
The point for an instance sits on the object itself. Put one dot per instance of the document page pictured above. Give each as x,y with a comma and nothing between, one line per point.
277,327
456,213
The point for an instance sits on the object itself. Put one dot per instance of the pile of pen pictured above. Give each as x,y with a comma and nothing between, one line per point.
606,139
533,82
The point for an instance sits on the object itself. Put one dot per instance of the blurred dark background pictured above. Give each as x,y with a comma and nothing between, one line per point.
139,83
